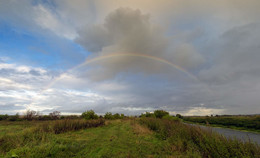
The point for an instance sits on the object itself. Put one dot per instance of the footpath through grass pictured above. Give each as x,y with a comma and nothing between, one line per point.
119,138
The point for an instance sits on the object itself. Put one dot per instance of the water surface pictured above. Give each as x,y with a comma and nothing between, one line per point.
231,133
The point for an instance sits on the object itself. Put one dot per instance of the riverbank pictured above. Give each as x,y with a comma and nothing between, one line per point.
225,127
245,136
238,122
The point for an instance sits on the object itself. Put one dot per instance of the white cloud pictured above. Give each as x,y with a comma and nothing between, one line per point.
48,20
217,41
202,111
127,30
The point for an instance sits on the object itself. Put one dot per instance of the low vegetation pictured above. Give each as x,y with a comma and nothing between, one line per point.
42,133
62,126
197,142
154,134
89,115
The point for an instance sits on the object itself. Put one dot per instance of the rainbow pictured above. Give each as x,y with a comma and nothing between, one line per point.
88,61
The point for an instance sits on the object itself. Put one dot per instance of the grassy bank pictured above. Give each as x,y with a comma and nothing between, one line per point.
145,137
247,123
196,142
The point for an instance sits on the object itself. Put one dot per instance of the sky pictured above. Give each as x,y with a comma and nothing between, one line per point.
196,57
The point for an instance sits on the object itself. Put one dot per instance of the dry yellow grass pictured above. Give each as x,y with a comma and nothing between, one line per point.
140,130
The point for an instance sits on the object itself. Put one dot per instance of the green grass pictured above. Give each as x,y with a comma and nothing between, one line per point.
197,142
7,127
117,138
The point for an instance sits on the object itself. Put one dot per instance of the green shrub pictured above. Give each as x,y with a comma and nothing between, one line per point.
179,116
109,116
172,118
148,114
116,116
160,113
3,117
89,115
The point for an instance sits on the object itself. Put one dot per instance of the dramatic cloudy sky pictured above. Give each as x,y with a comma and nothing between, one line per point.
194,57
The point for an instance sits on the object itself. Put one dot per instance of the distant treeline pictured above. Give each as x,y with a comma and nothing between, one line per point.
246,122
30,115
251,122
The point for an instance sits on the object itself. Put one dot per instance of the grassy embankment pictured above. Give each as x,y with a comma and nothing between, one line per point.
246,123
196,142
145,137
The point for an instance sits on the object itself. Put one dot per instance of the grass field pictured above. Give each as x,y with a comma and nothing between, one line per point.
116,138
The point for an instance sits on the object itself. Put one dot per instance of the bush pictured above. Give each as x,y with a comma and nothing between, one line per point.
3,117
160,113
89,115
172,118
44,118
148,114
116,116
108,116
14,118
179,116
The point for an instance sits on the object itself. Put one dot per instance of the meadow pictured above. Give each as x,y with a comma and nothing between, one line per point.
121,137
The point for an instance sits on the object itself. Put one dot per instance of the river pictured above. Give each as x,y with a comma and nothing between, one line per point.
231,133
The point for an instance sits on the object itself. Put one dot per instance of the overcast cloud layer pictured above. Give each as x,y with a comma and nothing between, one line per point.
191,57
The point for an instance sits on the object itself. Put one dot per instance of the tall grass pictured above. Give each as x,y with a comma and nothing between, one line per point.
189,139
61,126
44,132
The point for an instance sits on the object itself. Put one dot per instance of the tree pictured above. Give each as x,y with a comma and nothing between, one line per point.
108,115
30,115
147,114
55,115
116,116
160,113
89,115
179,116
